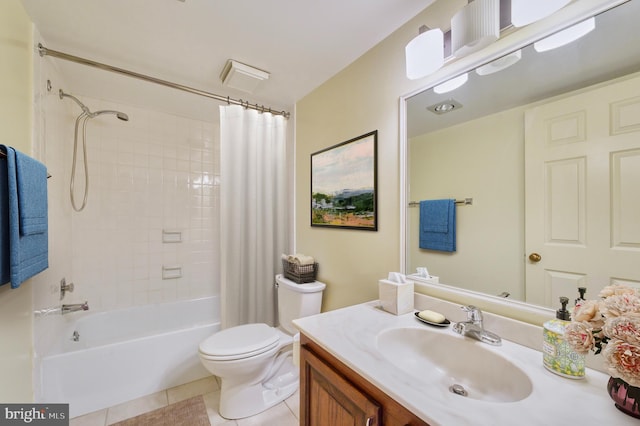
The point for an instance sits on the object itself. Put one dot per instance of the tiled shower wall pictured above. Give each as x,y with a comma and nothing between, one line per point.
155,175
155,172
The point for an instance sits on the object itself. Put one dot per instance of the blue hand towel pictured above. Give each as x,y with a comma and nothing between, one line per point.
28,247
5,264
32,195
438,225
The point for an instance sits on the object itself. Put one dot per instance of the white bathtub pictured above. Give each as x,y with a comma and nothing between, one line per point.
125,354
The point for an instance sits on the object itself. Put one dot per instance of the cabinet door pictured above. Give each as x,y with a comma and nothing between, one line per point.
329,399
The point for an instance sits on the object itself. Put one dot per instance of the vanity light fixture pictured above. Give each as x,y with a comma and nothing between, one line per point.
524,12
475,26
452,84
425,53
500,63
567,36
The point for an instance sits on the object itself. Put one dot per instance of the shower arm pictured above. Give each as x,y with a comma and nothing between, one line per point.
80,104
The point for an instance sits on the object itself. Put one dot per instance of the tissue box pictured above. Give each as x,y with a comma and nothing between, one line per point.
396,298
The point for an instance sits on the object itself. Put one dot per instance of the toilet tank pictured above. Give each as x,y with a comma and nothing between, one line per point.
297,301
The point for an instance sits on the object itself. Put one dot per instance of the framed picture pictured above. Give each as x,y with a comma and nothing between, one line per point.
344,184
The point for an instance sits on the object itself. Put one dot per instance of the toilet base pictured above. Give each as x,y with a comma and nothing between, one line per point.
239,400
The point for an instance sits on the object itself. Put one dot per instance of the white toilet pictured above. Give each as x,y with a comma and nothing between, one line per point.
255,361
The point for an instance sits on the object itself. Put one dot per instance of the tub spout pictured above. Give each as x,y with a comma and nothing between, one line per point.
75,307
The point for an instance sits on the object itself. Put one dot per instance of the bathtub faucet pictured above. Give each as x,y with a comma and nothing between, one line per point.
75,307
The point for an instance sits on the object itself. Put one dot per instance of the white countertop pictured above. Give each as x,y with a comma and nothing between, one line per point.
350,334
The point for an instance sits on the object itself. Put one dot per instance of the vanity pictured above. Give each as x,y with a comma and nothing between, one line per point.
362,365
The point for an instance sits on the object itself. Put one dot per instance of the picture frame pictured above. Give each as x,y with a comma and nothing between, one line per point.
344,184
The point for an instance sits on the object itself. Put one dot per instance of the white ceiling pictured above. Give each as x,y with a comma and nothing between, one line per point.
301,43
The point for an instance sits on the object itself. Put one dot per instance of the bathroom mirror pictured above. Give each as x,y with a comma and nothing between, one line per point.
475,149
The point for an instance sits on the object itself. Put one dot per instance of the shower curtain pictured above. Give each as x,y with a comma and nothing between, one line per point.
253,217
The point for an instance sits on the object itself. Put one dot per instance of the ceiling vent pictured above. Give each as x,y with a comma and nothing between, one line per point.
241,76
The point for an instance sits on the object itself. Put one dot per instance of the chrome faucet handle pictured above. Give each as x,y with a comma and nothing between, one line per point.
64,288
473,314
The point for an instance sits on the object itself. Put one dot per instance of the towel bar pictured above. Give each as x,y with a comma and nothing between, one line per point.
3,155
466,201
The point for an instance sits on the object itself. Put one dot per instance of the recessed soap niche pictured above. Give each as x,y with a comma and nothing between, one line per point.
171,272
171,236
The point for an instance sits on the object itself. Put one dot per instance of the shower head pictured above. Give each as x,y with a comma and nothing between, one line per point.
85,116
121,115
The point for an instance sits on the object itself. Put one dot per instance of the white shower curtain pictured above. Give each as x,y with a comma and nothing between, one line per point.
253,216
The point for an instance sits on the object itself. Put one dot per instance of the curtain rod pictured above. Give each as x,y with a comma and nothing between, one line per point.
56,54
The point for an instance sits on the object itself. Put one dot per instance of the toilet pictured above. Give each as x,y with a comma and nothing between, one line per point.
255,361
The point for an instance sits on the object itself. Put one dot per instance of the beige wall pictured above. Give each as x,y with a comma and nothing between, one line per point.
361,98
15,130
482,159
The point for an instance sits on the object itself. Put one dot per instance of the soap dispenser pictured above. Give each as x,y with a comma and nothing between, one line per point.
581,292
557,355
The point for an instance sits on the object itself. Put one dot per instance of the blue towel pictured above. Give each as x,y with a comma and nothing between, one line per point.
438,225
24,195
32,195
5,268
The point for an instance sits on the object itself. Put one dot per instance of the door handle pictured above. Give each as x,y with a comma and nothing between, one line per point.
535,257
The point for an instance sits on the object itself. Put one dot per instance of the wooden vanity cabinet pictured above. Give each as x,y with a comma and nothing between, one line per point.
333,394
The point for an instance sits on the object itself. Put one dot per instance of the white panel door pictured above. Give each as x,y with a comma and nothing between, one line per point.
582,182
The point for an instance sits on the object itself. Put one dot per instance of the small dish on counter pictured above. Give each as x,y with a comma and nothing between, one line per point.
444,323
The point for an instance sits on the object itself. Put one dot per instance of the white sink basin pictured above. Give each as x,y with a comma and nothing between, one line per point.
463,366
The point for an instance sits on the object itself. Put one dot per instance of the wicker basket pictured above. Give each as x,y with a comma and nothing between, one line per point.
299,273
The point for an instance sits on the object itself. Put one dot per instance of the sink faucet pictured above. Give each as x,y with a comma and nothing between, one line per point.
75,307
473,327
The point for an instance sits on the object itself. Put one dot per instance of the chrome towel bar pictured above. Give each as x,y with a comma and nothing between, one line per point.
466,201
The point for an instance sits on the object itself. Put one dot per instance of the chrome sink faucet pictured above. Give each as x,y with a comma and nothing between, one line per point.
474,328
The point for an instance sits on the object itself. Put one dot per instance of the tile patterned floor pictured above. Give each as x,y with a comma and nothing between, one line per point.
284,414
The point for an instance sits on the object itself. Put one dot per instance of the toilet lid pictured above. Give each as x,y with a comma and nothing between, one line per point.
239,341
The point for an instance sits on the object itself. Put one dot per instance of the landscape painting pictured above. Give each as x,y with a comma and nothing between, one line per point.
343,184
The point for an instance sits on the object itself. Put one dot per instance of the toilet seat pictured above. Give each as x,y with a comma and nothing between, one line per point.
239,342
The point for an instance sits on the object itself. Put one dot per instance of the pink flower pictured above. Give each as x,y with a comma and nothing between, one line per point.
622,360
620,304
625,328
580,337
615,289
610,326
589,311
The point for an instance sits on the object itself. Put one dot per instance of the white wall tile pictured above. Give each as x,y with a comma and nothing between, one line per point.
155,171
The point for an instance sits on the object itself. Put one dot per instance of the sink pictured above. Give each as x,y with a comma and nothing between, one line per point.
465,367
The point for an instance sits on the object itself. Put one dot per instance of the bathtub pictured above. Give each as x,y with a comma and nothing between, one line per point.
124,354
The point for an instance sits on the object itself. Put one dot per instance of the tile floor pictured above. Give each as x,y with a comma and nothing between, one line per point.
284,414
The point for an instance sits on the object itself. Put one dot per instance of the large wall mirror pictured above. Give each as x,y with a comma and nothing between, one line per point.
548,149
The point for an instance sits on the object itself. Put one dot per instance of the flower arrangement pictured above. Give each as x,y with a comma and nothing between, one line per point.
611,326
